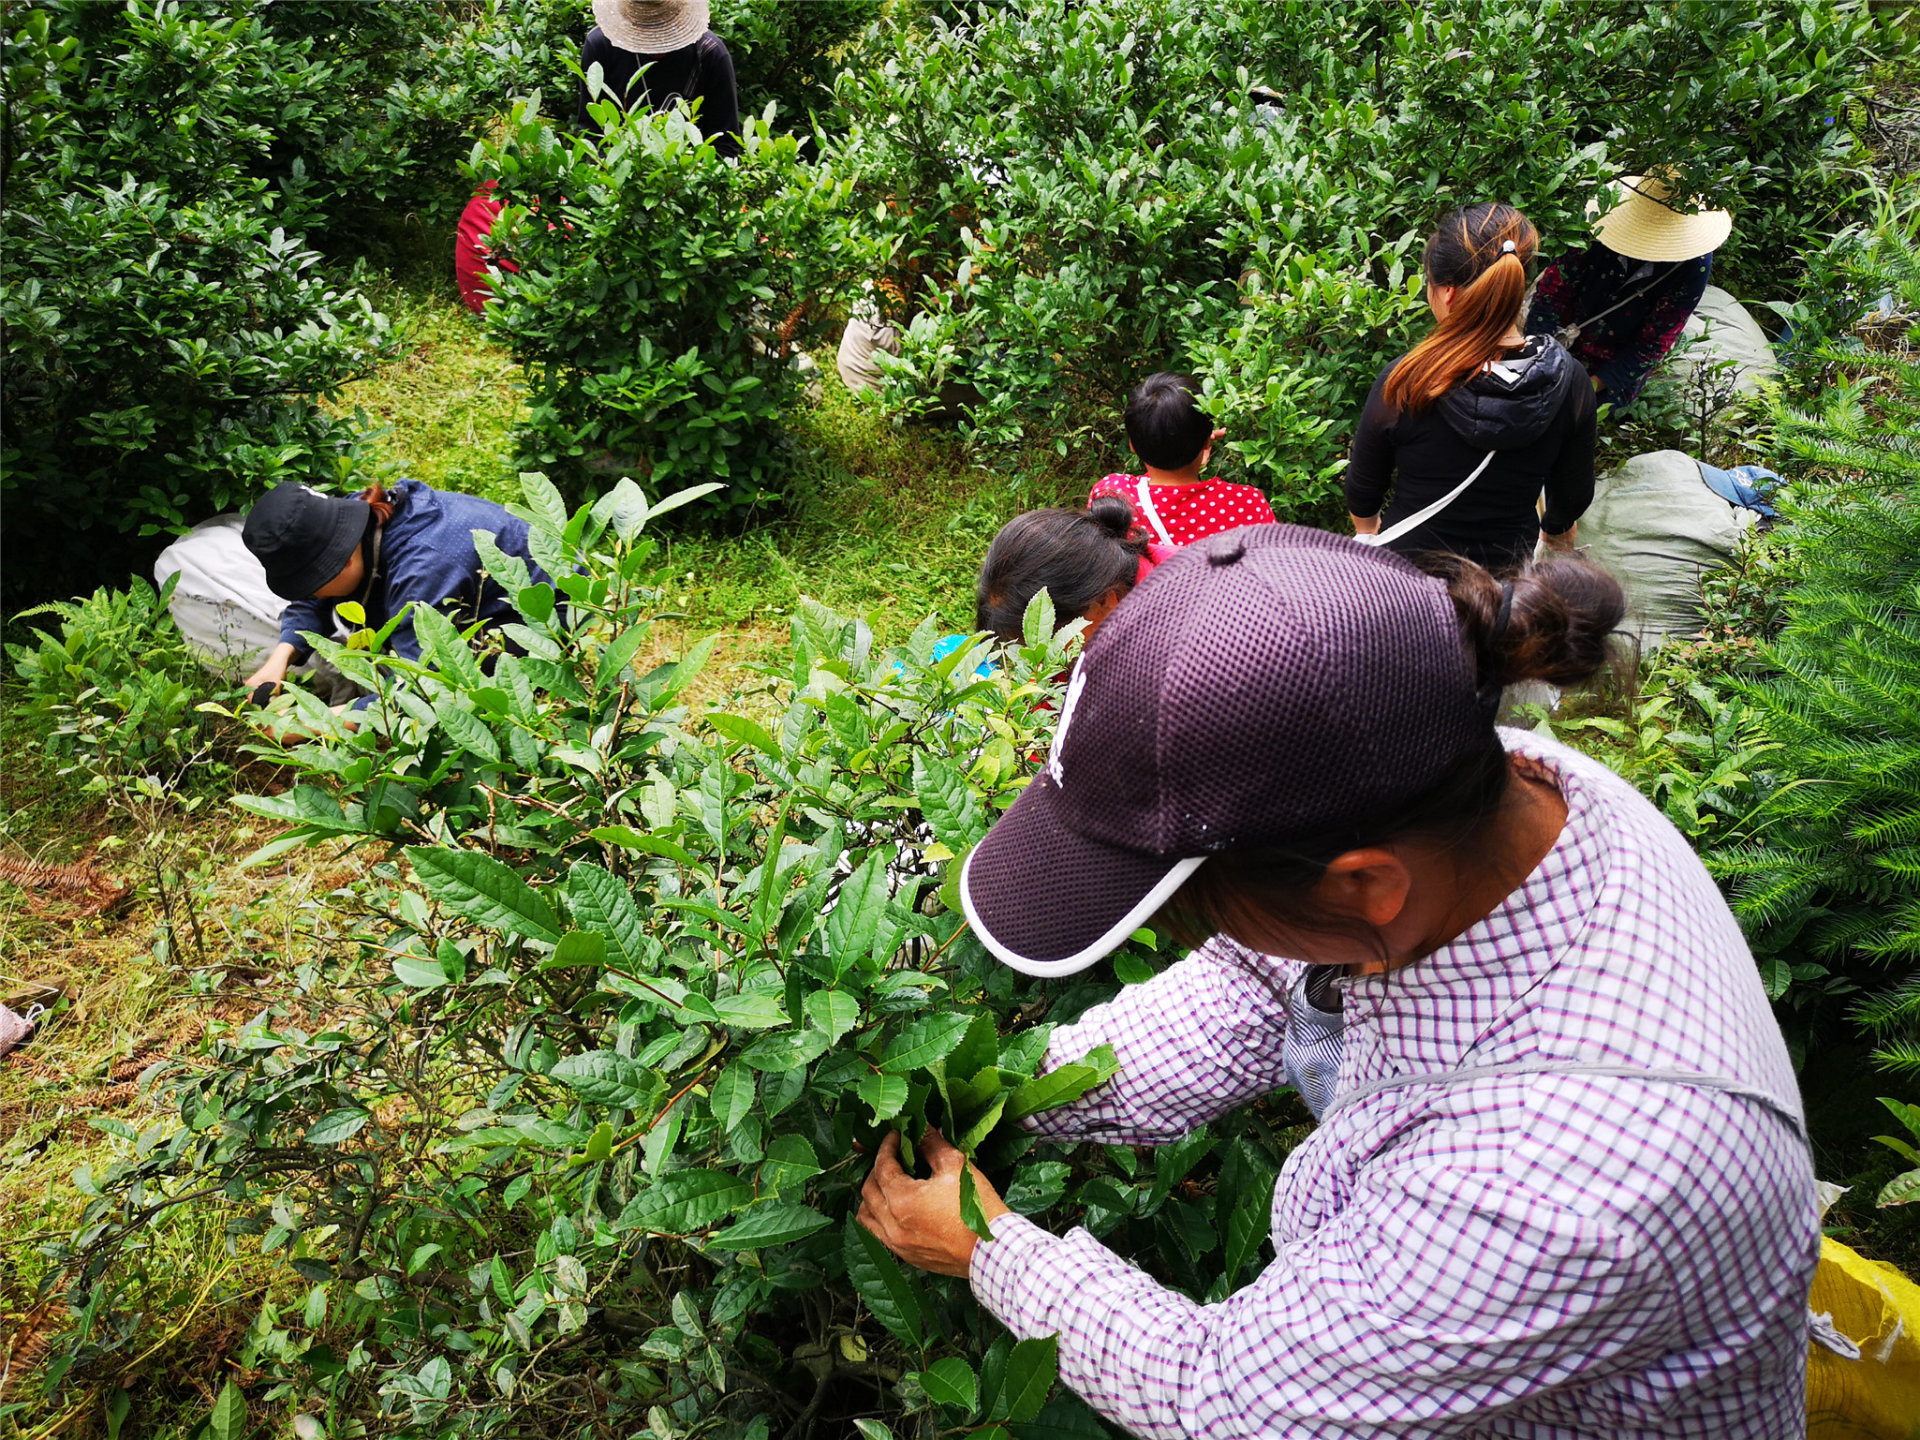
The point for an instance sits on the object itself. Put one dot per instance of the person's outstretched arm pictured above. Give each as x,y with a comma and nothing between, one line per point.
1370,462
1569,488
1195,1041
1381,1322
1552,303
719,95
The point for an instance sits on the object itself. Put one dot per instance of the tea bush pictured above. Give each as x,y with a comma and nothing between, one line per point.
167,337
1080,195
573,1124
662,294
782,52
110,695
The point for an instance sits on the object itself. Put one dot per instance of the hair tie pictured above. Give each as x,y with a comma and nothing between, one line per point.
1490,695
1506,247
1505,614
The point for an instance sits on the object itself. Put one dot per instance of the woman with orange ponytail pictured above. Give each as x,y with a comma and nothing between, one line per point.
1477,423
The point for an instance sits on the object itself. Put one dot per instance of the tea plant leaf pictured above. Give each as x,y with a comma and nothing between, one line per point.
978,1131
509,571
1037,623
543,500
769,1223
885,1093
1903,1189
469,731
602,903
951,1382
785,1050
979,1047
228,1419
619,652
683,1202
602,1077
685,497
948,802
971,1214
442,644
418,974
577,948
892,1297
751,1010
1063,1085
337,1126
743,731
627,838
926,1040
859,910
623,509
1031,1369
1065,1417
731,1099
481,888
833,1012
790,1163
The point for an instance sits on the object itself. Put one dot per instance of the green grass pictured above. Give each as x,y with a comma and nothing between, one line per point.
886,521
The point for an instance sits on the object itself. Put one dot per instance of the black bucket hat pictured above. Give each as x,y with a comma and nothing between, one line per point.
1254,690
304,538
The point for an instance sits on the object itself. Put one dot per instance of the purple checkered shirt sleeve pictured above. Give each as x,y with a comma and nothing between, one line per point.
1556,1257
1193,1042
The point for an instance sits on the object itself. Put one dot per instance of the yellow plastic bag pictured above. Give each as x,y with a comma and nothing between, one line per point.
1872,1307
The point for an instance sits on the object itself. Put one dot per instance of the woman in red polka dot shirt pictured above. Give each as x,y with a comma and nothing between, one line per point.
1174,437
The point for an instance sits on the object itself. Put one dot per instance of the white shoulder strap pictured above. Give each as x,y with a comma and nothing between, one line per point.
1152,515
1420,517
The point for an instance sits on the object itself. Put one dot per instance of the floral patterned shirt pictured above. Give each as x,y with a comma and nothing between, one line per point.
1621,347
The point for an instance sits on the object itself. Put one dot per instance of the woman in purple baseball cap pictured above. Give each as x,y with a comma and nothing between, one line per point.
1560,1185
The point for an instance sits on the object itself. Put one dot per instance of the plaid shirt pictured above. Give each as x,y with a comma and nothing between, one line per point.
1547,1256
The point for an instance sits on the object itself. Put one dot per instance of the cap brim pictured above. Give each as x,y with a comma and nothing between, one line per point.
1047,901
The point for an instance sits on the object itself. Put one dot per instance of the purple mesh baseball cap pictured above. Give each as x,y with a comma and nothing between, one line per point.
1255,690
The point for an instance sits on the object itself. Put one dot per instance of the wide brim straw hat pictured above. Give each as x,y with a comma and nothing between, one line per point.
1642,225
652,27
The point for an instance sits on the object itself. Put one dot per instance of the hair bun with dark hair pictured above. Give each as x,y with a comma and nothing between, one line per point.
1562,611
1113,515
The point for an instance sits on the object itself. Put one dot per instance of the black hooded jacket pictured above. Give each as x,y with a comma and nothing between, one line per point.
1534,410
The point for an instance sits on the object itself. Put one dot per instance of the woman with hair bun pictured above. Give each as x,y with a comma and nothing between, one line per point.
1086,560
1477,422
1560,1186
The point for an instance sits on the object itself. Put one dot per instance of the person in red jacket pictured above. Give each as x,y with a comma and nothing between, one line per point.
1174,439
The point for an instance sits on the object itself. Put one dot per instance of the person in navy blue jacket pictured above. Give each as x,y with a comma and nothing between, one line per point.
385,550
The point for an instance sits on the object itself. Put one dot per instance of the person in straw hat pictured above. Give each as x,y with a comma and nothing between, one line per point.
654,52
1621,304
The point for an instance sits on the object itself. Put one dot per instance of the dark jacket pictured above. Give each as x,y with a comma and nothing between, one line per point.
427,557
701,71
1622,345
1534,410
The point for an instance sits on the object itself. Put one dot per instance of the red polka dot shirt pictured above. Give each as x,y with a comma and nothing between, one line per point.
1189,512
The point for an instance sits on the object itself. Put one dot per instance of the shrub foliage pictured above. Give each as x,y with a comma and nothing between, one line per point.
573,1124
663,293
1084,194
